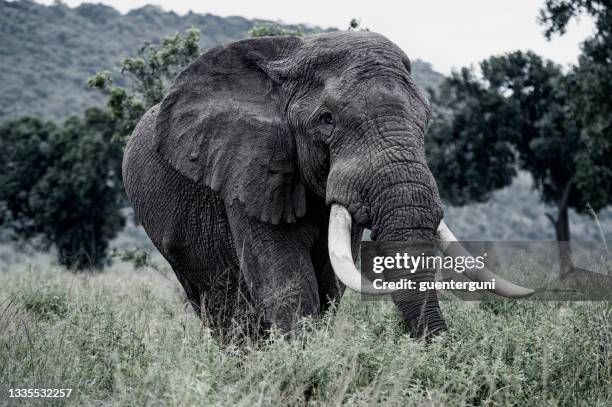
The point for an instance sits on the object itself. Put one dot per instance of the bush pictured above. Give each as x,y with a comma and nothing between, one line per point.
63,183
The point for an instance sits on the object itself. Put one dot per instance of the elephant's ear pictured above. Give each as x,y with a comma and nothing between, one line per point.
221,124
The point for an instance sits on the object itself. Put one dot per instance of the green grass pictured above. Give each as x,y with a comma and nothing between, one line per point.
126,337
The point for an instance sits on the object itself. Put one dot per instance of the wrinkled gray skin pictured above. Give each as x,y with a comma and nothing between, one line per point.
233,174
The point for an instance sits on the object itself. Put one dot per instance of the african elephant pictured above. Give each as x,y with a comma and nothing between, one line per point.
266,151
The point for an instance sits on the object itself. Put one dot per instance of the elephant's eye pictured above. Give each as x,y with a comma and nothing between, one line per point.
327,118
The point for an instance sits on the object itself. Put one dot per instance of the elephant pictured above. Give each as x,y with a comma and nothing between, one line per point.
259,170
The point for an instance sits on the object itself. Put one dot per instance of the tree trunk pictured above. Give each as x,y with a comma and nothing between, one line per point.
562,231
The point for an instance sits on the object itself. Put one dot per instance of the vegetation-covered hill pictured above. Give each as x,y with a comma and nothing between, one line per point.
47,52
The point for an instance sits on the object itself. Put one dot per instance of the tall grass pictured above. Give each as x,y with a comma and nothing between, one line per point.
127,337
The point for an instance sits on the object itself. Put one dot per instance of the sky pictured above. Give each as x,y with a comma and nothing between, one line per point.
447,33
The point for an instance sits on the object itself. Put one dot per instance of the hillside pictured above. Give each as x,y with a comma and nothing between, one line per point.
47,52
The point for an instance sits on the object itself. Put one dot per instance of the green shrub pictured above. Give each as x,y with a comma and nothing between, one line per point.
63,182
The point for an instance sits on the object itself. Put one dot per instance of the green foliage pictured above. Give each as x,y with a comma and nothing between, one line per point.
467,152
525,113
149,74
517,106
556,14
273,29
62,183
126,338
518,114
25,153
591,87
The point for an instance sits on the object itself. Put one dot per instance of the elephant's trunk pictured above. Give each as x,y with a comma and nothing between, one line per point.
419,309
412,218
401,203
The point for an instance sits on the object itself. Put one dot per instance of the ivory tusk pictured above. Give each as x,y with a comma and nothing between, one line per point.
504,288
339,246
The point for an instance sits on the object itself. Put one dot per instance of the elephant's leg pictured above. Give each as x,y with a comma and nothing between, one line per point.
330,289
187,223
277,266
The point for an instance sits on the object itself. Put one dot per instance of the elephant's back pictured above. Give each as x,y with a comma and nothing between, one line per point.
140,171
139,140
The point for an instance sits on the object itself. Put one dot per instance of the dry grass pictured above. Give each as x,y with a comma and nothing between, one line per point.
126,337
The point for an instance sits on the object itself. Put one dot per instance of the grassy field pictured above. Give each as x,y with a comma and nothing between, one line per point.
126,337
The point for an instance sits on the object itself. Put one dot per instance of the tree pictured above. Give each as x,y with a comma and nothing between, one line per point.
517,114
61,183
591,85
24,155
149,75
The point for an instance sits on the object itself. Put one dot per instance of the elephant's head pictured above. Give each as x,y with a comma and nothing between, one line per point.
267,121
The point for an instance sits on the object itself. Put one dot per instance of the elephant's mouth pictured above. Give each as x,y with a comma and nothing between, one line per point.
340,254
